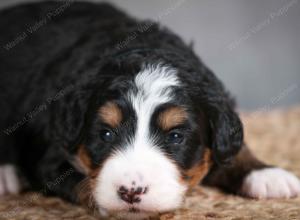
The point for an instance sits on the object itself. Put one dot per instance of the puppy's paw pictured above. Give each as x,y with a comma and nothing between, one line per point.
9,182
271,183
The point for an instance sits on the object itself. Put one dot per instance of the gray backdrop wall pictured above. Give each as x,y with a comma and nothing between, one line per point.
253,46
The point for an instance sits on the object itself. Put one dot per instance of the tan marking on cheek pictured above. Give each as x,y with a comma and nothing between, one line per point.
172,117
86,188
84,193
85,161
111,114
199,171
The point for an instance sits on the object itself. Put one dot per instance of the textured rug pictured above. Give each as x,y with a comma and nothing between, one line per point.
273,136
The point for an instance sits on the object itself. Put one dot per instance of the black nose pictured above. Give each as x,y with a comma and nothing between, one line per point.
131,195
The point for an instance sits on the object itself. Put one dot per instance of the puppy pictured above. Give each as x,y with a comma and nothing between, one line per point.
117,114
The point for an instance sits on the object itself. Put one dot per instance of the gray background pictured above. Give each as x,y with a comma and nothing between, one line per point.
252,46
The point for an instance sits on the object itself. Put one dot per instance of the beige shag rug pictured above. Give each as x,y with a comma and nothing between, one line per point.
273,136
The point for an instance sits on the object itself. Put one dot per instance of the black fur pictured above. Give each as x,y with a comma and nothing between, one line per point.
54,80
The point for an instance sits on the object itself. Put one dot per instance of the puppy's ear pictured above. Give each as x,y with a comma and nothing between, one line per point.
73,112
224,129
226,134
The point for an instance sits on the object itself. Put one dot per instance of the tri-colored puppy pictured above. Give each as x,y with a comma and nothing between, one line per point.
117,114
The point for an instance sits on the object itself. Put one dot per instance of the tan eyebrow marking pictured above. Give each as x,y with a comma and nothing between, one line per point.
111,114
172,117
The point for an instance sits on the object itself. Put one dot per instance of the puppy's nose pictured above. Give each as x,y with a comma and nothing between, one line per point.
131,195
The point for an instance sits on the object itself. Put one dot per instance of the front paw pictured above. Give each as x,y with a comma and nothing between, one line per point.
271,183
9,181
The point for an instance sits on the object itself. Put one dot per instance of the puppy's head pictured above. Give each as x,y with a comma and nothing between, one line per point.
146,145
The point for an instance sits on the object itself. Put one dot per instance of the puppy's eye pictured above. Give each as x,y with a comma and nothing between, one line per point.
174,138
106,136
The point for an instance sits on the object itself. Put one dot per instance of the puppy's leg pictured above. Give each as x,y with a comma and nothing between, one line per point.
250,177
9,181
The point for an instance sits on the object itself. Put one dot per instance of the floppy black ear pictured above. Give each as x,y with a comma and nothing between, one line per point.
226,134
72,111
224,129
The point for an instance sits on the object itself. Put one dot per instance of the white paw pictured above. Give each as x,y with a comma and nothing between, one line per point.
9,182
271,183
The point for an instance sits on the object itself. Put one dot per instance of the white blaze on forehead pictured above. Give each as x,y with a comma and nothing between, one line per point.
154,87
